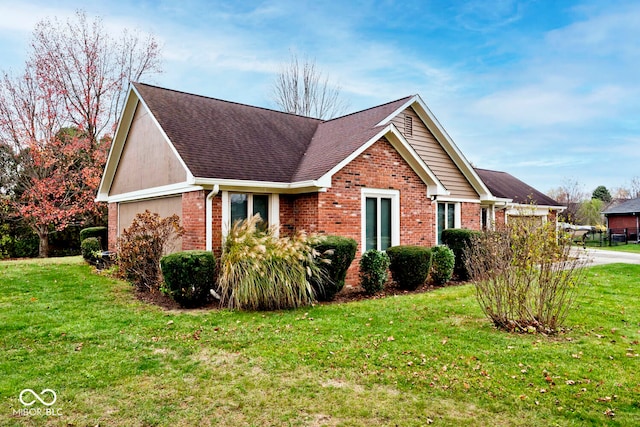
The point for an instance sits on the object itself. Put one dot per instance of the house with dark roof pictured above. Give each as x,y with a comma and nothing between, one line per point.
385,176
624,218
513,197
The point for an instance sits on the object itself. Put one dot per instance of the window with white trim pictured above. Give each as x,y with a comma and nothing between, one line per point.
380,219
243,203
448,216
239,206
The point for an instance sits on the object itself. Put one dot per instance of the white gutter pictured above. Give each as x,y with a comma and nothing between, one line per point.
209,216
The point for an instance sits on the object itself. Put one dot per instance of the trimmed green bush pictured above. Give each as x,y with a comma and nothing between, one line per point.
339,252
458,239
409,265
443,261
99,232
90,247
188,276
373,270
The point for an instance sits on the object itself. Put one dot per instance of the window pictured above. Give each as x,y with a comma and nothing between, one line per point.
484,218
242,204
380,219
239,206
448,217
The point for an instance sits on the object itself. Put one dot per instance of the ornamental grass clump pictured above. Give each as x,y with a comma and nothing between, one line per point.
260,271
526,279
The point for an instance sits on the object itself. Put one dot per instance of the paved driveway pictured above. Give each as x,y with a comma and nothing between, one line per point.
599,256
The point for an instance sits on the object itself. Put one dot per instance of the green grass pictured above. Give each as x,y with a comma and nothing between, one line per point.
631,247
397,361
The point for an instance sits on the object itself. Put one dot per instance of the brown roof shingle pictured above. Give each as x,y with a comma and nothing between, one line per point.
227,140
506,186
338,138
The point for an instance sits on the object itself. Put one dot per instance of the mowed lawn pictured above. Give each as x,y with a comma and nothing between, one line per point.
412,360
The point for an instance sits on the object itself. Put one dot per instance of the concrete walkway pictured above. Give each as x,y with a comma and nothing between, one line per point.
599,256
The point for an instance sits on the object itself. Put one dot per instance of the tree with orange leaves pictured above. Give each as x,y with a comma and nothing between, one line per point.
57,117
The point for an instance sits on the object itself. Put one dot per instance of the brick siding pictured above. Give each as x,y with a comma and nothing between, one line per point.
338,210
112,227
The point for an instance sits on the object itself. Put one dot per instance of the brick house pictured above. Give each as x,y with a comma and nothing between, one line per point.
384,176
513,197
624,218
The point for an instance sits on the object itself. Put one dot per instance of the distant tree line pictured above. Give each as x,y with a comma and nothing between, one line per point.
585,208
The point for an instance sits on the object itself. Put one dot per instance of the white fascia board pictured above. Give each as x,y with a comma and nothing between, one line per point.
153,193
456,200
164,135
445,140
117,145
265,186
407,152
404,106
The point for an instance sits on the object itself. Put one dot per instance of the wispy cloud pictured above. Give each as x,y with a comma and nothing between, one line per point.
543,90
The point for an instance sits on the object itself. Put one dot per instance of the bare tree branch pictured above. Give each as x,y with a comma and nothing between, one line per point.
300,88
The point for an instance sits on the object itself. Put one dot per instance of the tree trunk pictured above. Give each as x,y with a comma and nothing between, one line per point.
43,247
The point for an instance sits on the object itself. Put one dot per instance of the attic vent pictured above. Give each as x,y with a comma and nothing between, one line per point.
408,125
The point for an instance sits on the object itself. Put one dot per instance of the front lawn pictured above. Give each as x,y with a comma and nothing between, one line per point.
406,360
630,247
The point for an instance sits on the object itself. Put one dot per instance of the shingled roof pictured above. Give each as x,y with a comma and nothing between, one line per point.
506,186
227,140
629,207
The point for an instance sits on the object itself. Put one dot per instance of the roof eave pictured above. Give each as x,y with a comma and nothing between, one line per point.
309,186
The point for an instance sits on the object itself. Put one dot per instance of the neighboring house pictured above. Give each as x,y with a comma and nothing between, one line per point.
384,176
514,198
624,218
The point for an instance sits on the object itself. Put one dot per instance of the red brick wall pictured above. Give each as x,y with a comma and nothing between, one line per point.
339,209
193,220
112,226
470,216
216,225
622,221
299,212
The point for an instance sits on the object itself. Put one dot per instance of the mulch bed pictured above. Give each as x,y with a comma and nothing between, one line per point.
348,294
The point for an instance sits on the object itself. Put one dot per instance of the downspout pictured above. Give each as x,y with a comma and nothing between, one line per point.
209,216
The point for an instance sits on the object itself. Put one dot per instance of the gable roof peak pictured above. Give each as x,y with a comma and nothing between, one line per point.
404,99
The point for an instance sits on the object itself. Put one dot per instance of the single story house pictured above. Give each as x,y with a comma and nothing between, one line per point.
514,198
624,218
385,176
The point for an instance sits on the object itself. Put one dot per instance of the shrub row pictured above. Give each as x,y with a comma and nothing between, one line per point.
259,270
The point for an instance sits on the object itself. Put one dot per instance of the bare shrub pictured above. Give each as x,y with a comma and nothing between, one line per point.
142,245
525,278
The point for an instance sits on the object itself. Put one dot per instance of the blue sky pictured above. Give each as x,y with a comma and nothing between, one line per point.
545,90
